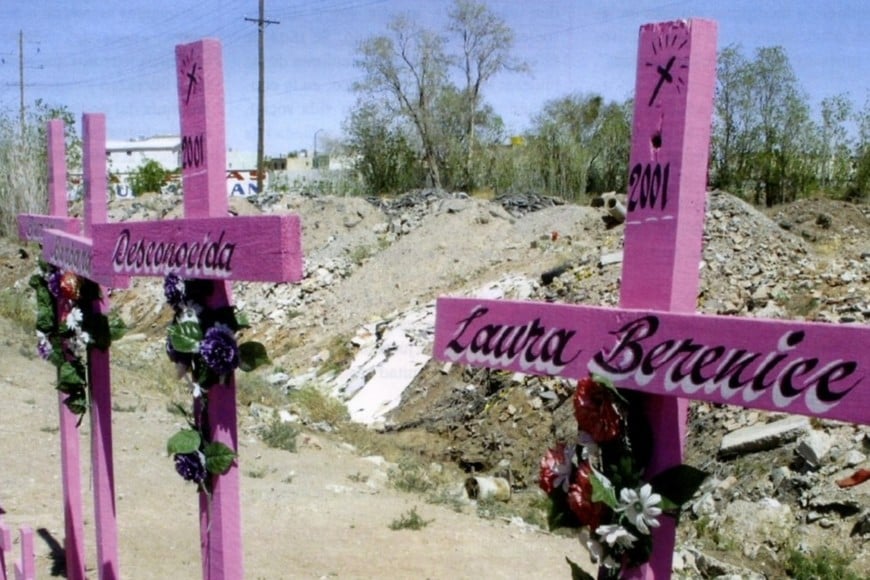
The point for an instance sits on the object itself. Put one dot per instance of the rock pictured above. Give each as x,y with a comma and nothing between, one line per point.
710,567
765,436
854,457
813,447
862,525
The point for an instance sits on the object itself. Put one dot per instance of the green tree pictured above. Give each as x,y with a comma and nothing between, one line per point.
486,44
405,73
407,76
578,141
835,145
764,139
385,160
148,177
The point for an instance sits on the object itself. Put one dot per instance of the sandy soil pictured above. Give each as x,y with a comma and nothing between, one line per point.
305,515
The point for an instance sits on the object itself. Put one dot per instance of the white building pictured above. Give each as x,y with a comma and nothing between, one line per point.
127,156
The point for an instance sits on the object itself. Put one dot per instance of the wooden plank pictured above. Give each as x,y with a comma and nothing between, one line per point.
99,368
806,368
74,253
199,70
253,248
32,227
676,68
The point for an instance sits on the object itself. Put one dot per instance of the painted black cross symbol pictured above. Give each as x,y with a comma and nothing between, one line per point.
664,75
191,77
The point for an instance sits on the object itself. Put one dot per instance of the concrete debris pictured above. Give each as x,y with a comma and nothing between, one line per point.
766,436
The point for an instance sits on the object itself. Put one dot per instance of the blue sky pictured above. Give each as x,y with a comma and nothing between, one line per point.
118,58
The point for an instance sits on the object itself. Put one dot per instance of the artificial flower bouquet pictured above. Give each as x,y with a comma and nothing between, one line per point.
596,483
202,343
68,323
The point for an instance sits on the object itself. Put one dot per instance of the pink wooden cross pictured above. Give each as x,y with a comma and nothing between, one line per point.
655,343
24,568
32,228
209,245
72,252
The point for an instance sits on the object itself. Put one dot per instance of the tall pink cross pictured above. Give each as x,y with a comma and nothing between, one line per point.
654,342
207,244
67,247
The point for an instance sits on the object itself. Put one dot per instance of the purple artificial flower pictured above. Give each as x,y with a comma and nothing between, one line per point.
173,289
52,278
43,345
190,466
219,349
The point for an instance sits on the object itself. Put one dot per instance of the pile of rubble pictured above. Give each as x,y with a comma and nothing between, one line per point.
810,260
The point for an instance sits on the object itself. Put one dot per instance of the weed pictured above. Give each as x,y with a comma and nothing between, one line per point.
258,473
358,477
281,435
50,429
413,477
340,355
490,509
450,498
18,306
410,520
360,254
256,389
118,408
319,406
823,564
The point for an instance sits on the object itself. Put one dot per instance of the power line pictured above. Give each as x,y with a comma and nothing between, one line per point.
261,89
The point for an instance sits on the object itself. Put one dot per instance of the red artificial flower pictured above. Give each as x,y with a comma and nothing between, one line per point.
556,468
595,410
588,512
70,286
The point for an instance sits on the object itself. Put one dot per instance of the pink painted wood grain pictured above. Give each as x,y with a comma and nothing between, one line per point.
199,69
253,248
32,227
5,548
75,253
99,367
25,569
662,255
70,462
57,197
571,336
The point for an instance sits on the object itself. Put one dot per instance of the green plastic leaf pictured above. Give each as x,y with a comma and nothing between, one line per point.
603,490
608,384
77,403
252,355
185,336
578,573
45,319
185,441
679,483
70,374
218,458
117,327
242,320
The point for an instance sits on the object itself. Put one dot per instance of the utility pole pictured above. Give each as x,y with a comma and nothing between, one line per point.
261,89
21,75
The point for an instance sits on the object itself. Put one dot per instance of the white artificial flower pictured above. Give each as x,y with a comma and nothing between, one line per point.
80,343
590,447
74,319
615,535
595,548
641,507
189,311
